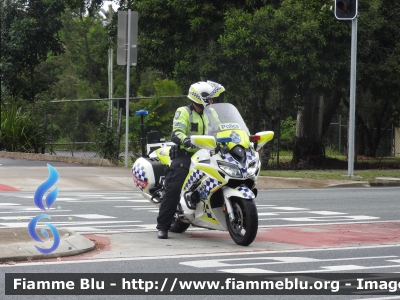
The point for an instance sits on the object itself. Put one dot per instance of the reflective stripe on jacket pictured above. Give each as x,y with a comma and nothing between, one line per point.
188,122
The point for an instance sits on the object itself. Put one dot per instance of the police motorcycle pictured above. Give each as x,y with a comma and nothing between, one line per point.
219,190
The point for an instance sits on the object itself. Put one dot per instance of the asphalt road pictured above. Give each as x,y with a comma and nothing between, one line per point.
122,215
128,211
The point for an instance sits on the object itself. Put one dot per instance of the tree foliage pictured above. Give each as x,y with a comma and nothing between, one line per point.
82,68
29,34
378,68
272,56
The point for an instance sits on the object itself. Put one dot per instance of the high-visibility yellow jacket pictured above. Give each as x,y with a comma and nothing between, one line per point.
188,122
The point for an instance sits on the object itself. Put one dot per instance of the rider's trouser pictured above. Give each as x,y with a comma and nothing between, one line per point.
173,181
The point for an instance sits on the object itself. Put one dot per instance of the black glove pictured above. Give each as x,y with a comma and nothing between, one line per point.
188,144
174,151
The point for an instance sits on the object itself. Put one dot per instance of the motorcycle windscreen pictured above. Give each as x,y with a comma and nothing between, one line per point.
223,116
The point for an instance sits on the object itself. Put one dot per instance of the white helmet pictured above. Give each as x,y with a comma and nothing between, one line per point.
200,92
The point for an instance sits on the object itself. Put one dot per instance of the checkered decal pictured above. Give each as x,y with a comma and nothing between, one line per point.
228,158
139,176
247,193
250,154
207,212
207,186
250,157
194,178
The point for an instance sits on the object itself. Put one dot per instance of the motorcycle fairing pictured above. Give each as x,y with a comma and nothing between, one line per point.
241,192
163,155
210,172
140,177
208,215
246,192
238,136
192,178
250,157
207,186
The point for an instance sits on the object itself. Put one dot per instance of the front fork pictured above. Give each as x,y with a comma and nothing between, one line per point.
229,209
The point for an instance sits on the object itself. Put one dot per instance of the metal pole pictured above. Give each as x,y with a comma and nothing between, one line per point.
340,133
111,92
109,116
128,68
143,138
352,110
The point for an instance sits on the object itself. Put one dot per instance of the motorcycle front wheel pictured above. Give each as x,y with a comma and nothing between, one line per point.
243,228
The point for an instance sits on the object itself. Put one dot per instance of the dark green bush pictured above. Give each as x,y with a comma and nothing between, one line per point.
20,131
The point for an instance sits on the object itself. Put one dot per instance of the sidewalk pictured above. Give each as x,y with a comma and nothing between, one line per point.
16,244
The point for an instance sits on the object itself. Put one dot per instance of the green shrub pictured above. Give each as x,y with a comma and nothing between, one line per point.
19,130
106,141
288,132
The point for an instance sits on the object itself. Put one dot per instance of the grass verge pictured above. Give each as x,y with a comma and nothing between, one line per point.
364,175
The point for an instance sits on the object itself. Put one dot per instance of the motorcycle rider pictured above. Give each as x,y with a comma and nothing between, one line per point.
188,120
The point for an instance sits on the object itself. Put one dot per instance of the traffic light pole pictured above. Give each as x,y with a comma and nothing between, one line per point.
352,108
128,74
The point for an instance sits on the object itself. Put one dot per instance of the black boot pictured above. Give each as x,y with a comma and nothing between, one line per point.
162,234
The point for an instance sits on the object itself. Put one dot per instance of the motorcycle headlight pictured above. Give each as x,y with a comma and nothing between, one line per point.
252,168
230,169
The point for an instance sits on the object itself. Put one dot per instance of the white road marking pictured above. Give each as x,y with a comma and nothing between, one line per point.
247,271
28,210
121,225
94,200
211,263
322,219
202,255
324,224
111,198
350,268
323,269
273,261
326,213
343,268
289,208
146,201
66,224
383,298
85,216
9,204
135,206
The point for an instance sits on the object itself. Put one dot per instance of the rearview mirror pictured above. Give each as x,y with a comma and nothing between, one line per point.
265,136
204,141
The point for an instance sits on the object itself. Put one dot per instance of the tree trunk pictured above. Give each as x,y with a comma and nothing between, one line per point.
31,82
313,120
267,149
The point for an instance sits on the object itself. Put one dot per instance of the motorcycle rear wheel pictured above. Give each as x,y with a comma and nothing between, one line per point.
243,229
178,226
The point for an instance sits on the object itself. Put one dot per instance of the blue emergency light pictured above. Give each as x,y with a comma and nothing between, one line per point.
141,112
224,140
